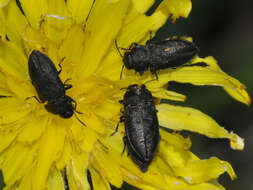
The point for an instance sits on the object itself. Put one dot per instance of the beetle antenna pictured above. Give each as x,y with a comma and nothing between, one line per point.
38,100
80,120
123,88
150,35
116,44
88,15
59,64
121,71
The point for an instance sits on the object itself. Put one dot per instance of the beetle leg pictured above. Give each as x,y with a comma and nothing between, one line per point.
155,73
60,65
132,46
150,35
121,71
122,119
156,76
75,106
38,100
124,140
116,130
67,86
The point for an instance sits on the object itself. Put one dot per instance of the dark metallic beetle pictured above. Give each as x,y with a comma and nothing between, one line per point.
157,55
141,125
49,86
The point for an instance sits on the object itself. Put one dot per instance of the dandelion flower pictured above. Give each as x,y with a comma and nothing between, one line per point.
40,150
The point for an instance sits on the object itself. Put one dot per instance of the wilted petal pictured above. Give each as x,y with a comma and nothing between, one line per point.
183,118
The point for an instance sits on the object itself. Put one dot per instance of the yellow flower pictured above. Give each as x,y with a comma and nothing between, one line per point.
36,146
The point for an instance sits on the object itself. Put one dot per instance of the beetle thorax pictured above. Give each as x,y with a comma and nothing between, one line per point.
62,106
137,59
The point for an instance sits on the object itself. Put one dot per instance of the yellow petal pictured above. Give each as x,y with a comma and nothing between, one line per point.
15,23
56,27
92,136
72,55
65,156
143,24
12,60
98,182
17,159
7,138
167,94
176,140
159,174
33,40
209,60
236,142
48,152
56,22
176,184
33,129
115,145
183,118
3,3
34,10
101,34
108,109
26,183
79,10
176,8
238,92
196,171
196,75
55,181
57,7
76,172
12,110
142,5
173,156
102,162
206,76
21,89
93,122
4,92
2,28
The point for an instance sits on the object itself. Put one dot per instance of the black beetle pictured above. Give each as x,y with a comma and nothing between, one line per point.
50,88
141,125
157,55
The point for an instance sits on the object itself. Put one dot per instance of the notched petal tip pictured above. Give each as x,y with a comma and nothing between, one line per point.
195,172
176,9
236,142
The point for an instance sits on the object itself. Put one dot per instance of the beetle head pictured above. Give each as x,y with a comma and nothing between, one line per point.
62,106
128,61
138,58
